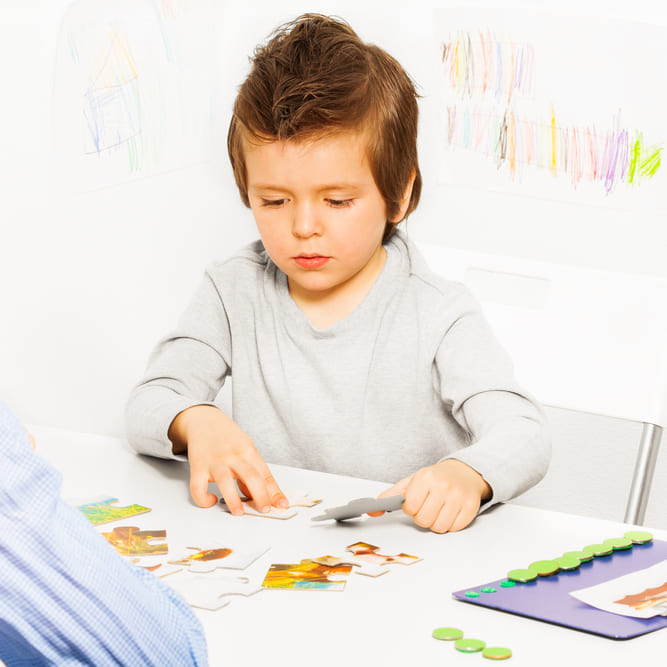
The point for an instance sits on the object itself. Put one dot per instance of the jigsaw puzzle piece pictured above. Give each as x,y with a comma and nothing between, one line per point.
360,567
211,592
207,560
273,513
130,541
298,498
368,552
103,509
307,575
295,498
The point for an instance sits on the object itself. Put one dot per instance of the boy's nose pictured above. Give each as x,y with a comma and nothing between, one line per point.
305,222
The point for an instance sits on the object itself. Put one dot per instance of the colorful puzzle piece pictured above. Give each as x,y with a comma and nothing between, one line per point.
368,552
207,560
306,575
295,498
212,592
360,567
103,510
130,541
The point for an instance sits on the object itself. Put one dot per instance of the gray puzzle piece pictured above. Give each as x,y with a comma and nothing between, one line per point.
361,506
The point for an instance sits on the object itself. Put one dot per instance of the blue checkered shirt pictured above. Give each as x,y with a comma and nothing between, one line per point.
66,597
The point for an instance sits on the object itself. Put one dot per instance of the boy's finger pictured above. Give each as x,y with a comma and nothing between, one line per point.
230,495
446,519
199,488
465,517
243,488
255,484
431,511
398,489
276,497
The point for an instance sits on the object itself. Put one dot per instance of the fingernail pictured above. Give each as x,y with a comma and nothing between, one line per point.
237,512
266,509
283,502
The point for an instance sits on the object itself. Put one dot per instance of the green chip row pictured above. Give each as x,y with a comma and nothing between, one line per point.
571,560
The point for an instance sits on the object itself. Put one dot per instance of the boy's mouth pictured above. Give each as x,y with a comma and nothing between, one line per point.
311,261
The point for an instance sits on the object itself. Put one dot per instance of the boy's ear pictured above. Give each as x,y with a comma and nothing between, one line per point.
405,199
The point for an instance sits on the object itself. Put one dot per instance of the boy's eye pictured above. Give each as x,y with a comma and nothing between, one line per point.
274,203
339,203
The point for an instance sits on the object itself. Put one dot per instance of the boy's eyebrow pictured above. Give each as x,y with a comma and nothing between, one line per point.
322,188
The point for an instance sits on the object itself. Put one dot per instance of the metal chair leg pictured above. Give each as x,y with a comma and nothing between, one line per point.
643,474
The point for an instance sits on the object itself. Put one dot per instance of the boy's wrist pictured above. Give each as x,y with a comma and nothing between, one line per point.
485,490
181,428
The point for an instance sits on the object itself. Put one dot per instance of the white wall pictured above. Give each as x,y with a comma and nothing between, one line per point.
91,276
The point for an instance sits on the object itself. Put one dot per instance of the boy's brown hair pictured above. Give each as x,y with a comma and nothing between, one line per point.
315,77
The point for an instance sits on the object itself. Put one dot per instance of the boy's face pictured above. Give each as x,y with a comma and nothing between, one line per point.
319,213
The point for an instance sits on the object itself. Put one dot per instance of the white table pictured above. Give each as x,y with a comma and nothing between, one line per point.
384,621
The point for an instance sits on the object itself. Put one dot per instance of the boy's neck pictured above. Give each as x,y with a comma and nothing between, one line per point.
326,308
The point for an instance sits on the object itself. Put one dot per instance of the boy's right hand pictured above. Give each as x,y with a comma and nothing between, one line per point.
220,451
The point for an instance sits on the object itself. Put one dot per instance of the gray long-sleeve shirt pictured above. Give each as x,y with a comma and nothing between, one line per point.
412,376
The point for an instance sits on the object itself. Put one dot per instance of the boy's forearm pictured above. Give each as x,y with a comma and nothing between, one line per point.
511,447
149,414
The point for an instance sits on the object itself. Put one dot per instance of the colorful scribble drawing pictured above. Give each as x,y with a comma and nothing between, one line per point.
306,575
482,65
104,510
368,552
130,541
491,79
111,109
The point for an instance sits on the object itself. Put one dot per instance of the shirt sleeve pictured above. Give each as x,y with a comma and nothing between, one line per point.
509,441
66,597
185,369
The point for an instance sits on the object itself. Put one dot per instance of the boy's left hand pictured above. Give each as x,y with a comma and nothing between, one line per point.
443,497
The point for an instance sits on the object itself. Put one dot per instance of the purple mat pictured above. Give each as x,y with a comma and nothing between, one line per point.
548,598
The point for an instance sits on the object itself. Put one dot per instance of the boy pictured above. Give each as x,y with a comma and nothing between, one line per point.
66,597
346,353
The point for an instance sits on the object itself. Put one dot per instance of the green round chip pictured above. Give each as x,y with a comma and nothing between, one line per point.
544,568
598,550
619,543
639,536
469,645
447,634
471,594
522,575
488,589
568,562
508,583
497,653
581,555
